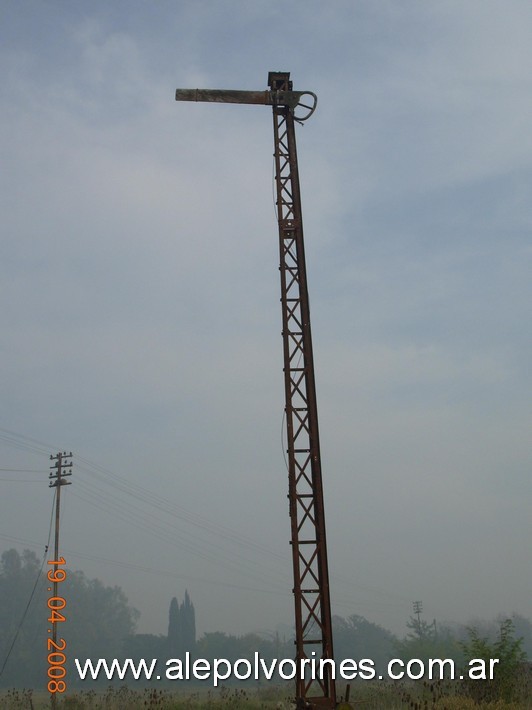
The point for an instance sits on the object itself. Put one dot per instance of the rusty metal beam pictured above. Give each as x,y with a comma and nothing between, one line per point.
293,100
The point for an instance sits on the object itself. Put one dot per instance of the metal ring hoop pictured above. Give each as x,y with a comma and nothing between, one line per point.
309,109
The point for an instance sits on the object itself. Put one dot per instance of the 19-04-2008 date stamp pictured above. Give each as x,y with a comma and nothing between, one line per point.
56,647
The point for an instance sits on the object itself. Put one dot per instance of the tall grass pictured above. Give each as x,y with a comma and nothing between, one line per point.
440,695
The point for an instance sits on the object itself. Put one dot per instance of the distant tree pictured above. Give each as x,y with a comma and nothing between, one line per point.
11,564
174,630
98,618
490,629
18,575
426,641
356,637
269,646
218,644
139,646
508,671
523,629
421,630
181,627
188,624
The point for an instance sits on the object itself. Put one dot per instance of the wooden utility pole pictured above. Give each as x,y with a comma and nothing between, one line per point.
57,481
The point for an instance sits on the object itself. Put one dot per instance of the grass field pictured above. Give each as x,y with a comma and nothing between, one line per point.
364,696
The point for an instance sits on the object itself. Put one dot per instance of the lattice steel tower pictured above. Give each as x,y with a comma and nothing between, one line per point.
305,490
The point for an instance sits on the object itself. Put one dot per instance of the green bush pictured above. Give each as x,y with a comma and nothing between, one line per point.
505,684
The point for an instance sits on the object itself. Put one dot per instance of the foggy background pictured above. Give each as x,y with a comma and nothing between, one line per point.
140,319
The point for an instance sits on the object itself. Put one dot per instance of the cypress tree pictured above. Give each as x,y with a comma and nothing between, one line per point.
187,616
174,629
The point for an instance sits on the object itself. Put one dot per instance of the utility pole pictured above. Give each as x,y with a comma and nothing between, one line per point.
305,491
57,481
418,608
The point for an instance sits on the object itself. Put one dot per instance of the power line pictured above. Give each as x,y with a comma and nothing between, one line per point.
24,443
142,494
141,568
170,508
32,591
198,548
139,516
21,480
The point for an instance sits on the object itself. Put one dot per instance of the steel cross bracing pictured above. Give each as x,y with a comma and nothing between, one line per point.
305,493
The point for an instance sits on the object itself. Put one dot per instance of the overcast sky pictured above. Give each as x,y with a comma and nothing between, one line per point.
140,319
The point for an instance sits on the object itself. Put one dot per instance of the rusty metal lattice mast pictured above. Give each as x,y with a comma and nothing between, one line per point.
305,491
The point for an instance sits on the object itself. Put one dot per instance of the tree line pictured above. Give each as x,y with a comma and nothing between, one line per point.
102,624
